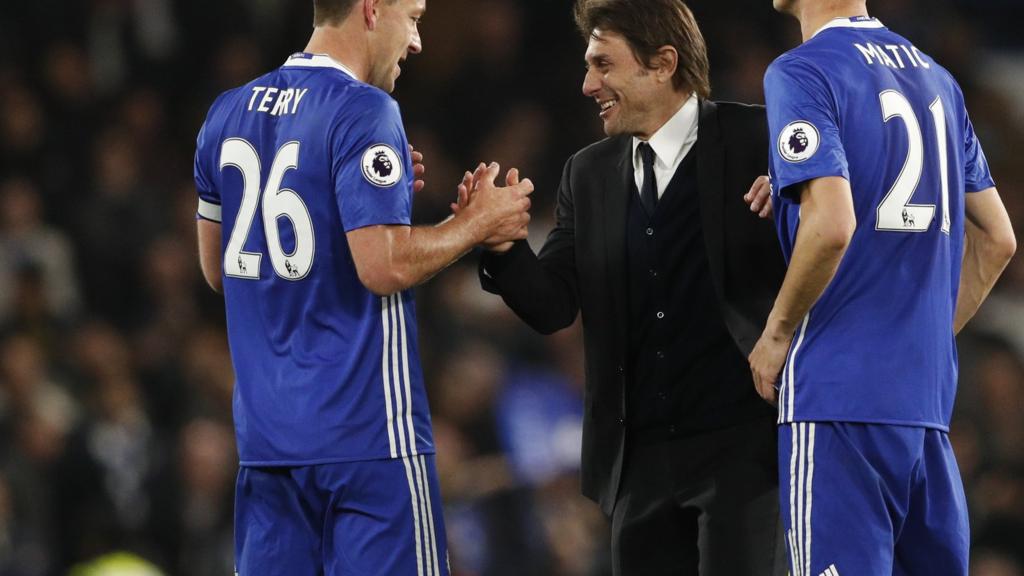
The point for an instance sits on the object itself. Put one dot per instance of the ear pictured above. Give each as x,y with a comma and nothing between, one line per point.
665,63
370,13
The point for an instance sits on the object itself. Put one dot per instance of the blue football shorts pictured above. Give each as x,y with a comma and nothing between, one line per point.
364,518
871,500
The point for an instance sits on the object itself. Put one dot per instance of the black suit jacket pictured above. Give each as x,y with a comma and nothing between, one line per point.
582,266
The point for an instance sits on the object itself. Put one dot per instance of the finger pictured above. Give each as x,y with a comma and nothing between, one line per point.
418,185
465,187
477,175
491,172
527,186
760,183
763,192
766,212
416,155
749,196
512,178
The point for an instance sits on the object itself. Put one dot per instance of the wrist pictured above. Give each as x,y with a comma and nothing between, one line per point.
475,229
779,329
500,249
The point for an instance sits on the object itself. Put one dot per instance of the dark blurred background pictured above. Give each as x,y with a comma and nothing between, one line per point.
115,378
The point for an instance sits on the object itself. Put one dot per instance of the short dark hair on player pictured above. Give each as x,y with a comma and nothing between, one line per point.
333,12
647,25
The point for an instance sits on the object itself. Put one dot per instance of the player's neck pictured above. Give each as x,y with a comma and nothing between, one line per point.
814,15
342,46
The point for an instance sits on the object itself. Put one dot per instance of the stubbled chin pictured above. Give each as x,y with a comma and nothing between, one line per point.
611,127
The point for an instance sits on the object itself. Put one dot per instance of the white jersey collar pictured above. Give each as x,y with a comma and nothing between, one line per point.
855,22
306,60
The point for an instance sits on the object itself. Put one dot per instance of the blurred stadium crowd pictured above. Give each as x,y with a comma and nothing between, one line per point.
115,378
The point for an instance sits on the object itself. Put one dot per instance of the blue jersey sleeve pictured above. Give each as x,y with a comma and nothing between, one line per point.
976,173
803,123
371,165
209,197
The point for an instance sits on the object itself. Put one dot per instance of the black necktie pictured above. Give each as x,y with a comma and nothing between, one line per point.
649,192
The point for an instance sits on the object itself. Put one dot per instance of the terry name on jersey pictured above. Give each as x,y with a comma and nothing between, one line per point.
875,54
275,100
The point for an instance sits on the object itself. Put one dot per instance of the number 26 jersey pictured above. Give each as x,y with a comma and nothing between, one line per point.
325,370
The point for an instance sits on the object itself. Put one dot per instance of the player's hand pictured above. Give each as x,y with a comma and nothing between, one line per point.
465,189
759,198
766,361
502,212
418,169
511,179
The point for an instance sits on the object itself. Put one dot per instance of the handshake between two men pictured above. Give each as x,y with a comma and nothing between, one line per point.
499,215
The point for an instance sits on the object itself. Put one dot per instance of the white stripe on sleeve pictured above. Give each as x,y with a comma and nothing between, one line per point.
209,211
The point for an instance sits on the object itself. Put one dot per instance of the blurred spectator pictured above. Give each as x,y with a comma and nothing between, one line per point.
123,215
37,268
208,468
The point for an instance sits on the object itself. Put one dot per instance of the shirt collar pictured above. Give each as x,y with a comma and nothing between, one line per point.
675,136
307,60
855,22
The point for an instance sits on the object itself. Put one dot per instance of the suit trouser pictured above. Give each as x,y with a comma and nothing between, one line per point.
703,505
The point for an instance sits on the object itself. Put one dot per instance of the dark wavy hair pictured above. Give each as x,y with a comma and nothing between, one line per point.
648,25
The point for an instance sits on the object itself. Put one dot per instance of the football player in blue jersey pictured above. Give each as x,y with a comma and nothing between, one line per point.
305,181
894,234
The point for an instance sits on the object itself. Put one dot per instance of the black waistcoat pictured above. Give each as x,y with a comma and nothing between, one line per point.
685,373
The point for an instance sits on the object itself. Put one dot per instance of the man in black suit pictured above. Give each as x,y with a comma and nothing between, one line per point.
674,277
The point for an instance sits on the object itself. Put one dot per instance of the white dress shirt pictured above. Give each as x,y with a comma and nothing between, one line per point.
671,143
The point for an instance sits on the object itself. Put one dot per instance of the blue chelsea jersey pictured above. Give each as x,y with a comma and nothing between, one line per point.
325,370
863,103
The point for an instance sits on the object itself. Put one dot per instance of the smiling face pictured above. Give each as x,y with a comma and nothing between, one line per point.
397,36
629,95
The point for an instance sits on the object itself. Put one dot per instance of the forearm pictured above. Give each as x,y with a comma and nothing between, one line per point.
429,249
416,253
989,243
827,225
542,293
982,265
811,269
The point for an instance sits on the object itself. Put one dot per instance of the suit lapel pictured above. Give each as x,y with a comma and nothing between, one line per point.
710,182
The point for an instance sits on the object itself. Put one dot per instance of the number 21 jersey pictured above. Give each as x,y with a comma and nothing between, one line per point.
860,102
326,371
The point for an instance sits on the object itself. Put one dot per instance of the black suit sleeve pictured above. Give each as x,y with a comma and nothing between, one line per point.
542,290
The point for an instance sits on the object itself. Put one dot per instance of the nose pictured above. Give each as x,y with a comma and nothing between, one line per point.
591,83
415,44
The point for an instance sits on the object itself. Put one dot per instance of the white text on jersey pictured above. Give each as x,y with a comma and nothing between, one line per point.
286,101
875,54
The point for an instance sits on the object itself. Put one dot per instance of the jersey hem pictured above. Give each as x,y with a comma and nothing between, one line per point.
382,222
786,185
335,460
908,423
